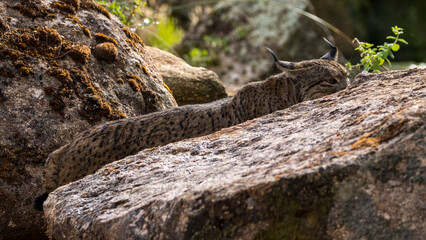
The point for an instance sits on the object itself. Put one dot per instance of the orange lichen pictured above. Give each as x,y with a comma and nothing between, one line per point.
74,3
379,135
120,80
134,40
149,96
167,87
24,71
133,76
86,31
33,10
133,84
95,105
105,52
75,20
24,48
80,53
61,74
145,70
101,38
94,6
64,7
36,42
43,42
132,35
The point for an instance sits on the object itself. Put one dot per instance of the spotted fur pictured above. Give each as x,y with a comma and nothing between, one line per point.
115,140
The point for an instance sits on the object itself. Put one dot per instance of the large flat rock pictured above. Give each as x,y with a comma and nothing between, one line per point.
347,166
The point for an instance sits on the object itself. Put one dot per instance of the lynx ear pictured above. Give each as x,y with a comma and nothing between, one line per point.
332,55
283,65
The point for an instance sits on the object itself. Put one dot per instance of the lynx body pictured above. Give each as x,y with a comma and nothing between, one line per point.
115,140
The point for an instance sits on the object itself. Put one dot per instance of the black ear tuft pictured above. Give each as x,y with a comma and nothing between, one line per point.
332,55
273,54
38,202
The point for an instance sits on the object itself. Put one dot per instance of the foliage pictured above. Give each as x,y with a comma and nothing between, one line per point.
209,55
165,35
129,12
198,57
373,58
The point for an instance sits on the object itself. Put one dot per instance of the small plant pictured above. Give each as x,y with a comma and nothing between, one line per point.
129,12
373,58
165,35
209,54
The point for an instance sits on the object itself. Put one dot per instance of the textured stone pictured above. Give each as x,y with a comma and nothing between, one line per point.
189,85
52,87
346,166
115,140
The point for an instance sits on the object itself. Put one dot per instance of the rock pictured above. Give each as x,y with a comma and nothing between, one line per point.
52,87
236,34
346,166
189,85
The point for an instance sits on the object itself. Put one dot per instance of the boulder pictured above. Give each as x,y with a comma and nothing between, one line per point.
347,166
189,85
64,66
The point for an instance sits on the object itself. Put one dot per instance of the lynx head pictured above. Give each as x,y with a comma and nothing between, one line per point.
315,78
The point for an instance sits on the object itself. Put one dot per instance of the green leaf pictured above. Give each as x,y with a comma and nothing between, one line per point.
395,47
349,65
366,67
395,31
376,63
387,60
403,41
390,37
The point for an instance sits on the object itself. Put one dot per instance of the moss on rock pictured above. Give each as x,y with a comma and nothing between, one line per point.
105,52
101,38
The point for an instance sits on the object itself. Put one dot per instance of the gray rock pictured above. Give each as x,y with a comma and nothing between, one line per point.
52,87
346,166
189,85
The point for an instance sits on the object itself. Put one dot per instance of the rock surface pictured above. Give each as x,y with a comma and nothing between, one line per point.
189,85
347,166
52,86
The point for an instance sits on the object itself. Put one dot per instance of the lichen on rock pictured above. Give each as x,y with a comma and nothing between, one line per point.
105,52
53,87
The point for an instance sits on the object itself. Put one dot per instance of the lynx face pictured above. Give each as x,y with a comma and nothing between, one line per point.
320,78
315,78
